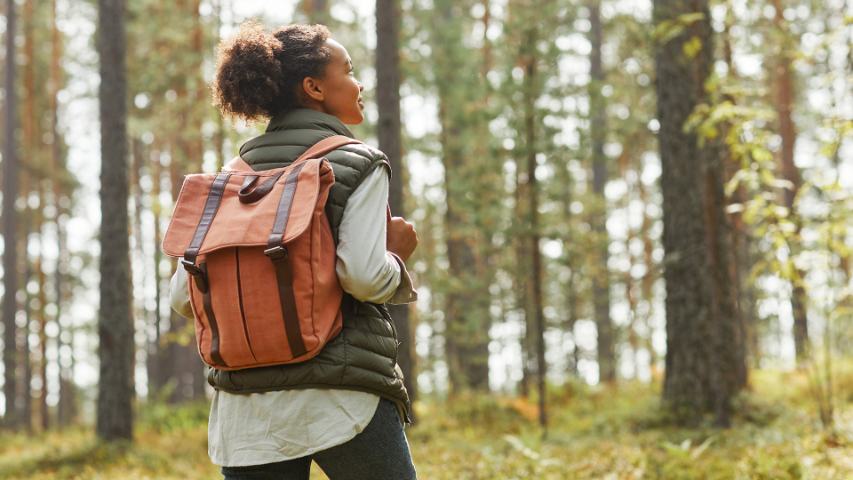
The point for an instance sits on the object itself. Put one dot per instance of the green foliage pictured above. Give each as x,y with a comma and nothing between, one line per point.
162,417
692,47
615,432
76,454
667,30
805,242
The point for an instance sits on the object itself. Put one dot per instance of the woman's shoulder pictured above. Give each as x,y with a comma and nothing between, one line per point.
360,158
360,152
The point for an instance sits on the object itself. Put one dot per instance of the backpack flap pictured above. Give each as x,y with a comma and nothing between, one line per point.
209,215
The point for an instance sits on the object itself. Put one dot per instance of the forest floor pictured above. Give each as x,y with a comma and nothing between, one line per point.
609,433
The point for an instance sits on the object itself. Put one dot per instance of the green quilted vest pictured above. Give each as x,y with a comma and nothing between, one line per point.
363,356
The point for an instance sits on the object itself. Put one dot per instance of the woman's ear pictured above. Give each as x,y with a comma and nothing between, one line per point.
313,88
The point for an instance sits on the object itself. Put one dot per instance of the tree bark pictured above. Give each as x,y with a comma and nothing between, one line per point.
606,352
31,144
66,393
11,418
24,349
740,236
115,322
534,284
704,348
521,279
784,104
389,131
467,320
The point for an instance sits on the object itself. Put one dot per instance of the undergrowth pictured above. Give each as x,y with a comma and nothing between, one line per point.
618,432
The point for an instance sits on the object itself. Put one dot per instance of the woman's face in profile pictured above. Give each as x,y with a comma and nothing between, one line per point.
341,92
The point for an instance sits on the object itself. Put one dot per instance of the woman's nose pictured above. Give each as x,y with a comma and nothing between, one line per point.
360,87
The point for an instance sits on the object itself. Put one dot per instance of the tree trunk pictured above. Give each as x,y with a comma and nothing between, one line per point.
648,281
601,275
24,349
115,322
784,104
633,338
741,241
172,361
195,369
219,132
31,143
534,283
467,319
155,352
521,279
140,311
180,363
41,314
704,348
317,11
26,352
389,131
41,280
565,178
66,393
11,418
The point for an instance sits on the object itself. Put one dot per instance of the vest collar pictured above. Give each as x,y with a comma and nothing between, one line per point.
306,118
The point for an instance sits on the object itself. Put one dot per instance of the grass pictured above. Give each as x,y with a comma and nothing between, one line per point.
612,433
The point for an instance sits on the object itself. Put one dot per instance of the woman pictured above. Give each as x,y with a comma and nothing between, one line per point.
345,408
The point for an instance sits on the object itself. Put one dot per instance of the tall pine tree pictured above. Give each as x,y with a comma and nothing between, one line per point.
115,322
10,258
390,142
703,353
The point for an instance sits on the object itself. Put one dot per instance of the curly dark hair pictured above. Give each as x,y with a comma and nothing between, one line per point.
257,73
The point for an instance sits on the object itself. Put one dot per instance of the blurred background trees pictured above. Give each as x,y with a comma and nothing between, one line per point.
115,318
605,191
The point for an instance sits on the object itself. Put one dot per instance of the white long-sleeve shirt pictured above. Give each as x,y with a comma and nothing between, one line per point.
282,425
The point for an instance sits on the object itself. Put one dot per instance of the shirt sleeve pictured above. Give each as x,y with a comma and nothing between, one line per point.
365,268
179,296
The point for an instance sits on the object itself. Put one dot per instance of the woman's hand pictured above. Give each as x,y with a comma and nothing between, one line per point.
402,237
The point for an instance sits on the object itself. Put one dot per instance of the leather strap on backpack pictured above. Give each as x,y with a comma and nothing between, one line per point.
211,205
249,195
199,272
278,254
277,251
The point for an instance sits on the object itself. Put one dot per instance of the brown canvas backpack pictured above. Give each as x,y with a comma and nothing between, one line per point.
261,258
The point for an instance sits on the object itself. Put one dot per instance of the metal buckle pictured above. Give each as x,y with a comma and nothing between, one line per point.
277,252
198,274
191,267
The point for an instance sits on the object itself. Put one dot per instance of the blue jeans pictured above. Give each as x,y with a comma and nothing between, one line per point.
379,452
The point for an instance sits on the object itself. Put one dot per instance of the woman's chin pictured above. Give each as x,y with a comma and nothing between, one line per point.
355,119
